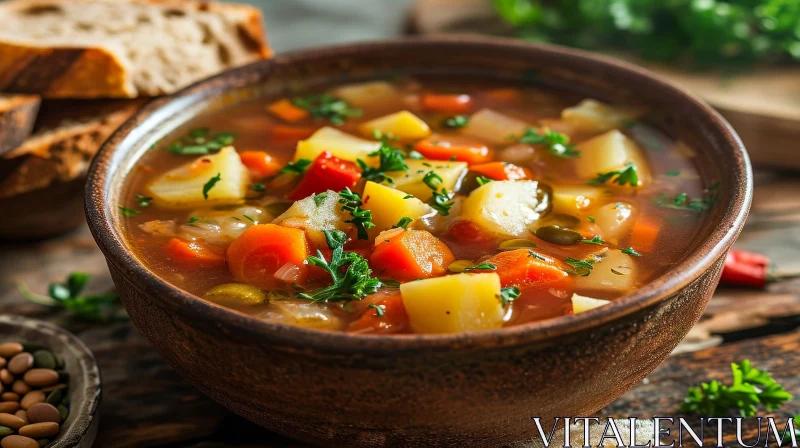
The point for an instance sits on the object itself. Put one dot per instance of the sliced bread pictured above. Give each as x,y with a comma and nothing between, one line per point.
122,48
17,117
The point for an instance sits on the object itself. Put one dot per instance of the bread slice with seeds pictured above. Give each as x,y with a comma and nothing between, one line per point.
17,117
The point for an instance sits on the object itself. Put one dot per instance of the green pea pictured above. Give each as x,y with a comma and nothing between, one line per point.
43,359
235,294
557,235
63,412
5,431
55,397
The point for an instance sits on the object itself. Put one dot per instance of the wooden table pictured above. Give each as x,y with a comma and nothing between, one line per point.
145,403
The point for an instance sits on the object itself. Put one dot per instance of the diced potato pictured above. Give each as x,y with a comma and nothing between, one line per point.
338,143
494,127
615,272
305,214
453,303
593,116
303,313
369,93
582,303
410,182
506,207
388,207
615,220
610,152
402,125
183,186
571,198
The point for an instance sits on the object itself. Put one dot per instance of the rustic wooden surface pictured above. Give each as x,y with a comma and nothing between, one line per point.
145,403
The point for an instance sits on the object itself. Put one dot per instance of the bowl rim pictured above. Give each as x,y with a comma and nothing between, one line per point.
724,230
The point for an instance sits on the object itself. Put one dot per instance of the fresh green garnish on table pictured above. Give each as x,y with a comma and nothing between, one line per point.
68,295
751,387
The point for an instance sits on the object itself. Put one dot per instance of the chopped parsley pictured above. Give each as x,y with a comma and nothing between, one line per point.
630,251
210,184
482,267
441,199
408,196
482,180
68,295
319,198
349,271
556,142
200,142
533,254
590,218
579,267
378,309
626,176
194,219
673,173
456,121
335,110
403,223
144,201
298,167
361,218
508,295
128,212
259,187
415,155
390,159
683,202
596,240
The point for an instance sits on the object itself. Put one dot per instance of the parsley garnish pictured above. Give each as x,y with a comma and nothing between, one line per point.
333,109
391,159
672,173
591,219
200,142
378,309
579,267
144,201
258,187
354,283
297,167
683,202
625,176
319,198
596,240
250,219
129,212
630,251
440,201
67,295
408,196
194,219
482,267
415,155
556,142
362,219
456,121
210,184
482,180
750,388
508,295
403,223
533,254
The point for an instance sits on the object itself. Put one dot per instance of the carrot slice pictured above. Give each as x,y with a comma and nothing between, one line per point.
262,249
287,111
410,254
259,163
193,253
644,234
501,171
392,317
462,149
446,104
526,268
288,133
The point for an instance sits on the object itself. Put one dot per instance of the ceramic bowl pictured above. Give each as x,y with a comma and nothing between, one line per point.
471,389
80,428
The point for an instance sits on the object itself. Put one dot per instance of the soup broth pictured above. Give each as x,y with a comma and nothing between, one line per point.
415,206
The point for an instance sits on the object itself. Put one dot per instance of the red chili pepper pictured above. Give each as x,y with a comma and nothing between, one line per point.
326,173
745,269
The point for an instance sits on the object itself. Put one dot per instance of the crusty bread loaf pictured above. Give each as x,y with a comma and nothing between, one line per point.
17,117
122,48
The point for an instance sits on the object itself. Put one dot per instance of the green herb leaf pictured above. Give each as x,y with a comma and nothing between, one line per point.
328,107
415,155
350,273
193,219
555,142
625,176
591,219
533,254
390,159
210,184
595,240
361,218
441,199
200,142
319,198
456,121
482,180
408,196
378,309
67,295
673,173
128,212
259,187
682,202
297,167
250,219
579,267
144,201
403,223
630,251
481,267
508,295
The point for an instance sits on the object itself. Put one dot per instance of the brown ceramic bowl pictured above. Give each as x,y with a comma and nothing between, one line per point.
471,389
80,428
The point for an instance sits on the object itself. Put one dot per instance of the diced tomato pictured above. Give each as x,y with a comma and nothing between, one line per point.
290,133
463,149
526,268
259,163
326,173
446,104
262,250
465,230
391,319
501,171
193,253
410,254
287,111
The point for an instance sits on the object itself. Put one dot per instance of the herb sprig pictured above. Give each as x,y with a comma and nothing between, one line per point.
335,110
682,201
200,142
626,176
441,201
349,271
210,184
456,121
296,167
67,295
579,267
390,159
361,218
508,295
481,267
751,387
556,142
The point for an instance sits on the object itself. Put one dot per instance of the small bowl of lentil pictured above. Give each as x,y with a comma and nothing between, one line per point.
49,386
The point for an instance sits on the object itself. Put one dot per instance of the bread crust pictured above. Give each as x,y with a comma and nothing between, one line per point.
95,71
17,117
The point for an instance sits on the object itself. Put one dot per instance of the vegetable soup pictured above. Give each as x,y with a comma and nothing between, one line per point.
415,206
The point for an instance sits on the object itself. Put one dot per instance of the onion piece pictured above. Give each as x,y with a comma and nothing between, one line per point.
288,273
